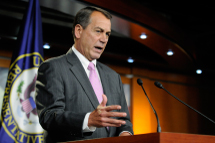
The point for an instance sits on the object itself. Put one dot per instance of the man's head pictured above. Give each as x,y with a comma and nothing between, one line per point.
91,30
83,17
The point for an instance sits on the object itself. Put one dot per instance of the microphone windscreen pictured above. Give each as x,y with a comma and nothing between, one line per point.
158,84
139,81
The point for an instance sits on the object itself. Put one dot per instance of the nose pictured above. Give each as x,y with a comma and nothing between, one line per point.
104,38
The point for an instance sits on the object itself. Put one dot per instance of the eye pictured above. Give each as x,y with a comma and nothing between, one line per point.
98,31
108,34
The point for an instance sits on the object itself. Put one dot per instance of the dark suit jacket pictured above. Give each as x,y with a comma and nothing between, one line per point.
64,95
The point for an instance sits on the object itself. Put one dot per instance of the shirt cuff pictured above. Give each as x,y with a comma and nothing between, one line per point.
85,127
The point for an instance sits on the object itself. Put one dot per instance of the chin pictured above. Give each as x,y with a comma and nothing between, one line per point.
96,57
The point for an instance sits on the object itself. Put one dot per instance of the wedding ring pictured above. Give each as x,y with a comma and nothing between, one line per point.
99,111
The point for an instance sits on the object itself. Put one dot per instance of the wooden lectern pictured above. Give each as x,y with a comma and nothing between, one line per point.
155,138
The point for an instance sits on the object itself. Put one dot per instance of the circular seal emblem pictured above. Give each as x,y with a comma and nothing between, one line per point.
19,114
22,101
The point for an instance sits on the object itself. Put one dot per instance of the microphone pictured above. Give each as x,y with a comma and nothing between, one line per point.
159,85
140,82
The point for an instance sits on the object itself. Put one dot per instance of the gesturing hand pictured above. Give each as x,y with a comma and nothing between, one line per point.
101,116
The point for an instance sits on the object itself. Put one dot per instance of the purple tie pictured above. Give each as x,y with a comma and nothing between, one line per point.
95,82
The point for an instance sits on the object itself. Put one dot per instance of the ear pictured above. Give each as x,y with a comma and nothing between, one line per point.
78,30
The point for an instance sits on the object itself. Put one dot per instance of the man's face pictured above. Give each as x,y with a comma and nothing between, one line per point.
92,40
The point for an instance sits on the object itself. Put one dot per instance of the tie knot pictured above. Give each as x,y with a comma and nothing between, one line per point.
91,66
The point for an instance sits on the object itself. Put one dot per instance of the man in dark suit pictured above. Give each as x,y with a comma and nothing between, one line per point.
68,103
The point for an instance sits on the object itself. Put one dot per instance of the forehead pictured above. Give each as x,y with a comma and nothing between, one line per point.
98,19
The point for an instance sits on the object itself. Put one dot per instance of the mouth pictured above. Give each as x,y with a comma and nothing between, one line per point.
99,48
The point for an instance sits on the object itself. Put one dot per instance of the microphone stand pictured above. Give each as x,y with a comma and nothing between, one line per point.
159,85
140,82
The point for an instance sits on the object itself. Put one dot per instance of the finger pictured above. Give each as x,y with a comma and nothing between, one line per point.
112,107
112,122
110,125
113,114
104,101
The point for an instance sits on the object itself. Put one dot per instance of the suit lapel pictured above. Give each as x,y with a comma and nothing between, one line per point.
78,71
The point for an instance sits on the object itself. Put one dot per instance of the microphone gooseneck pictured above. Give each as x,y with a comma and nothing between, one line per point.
140,82
159,85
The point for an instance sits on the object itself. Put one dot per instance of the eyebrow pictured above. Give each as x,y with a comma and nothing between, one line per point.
109,32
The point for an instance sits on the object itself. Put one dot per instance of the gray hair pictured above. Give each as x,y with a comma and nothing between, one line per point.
83,17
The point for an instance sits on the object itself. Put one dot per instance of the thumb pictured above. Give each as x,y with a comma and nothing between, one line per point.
104,101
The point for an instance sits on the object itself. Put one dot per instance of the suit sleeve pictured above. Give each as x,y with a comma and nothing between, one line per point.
124,108
50,101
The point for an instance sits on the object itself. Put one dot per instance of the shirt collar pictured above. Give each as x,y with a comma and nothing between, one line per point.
85,62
